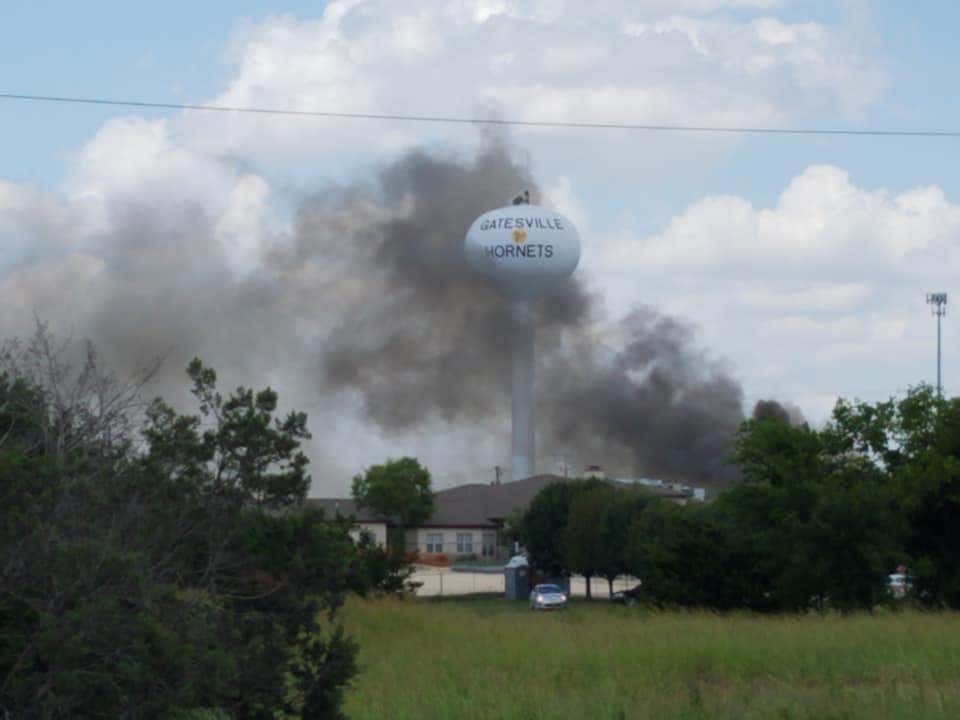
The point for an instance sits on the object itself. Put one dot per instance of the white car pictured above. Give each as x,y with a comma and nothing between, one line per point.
547,597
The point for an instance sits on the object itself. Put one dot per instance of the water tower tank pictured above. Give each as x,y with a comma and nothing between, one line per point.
524,249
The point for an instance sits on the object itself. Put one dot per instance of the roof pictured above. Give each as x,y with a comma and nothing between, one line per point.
485,504
472,505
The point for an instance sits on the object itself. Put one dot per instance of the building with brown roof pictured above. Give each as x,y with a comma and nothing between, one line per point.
467,519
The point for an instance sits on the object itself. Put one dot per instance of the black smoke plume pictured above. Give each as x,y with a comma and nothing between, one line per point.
364,314
781,412
427,338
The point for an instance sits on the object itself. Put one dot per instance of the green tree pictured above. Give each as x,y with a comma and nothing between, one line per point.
597,528
584,551
234,448
816,523
378,570
908,449
928,488
545,521
680,555
624,506
398,490
819,545
773,452
144,583
813,525
271,573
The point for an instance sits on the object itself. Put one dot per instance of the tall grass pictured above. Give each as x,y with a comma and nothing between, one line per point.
496,659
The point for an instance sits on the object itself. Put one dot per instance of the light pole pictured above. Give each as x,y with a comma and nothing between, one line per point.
938,307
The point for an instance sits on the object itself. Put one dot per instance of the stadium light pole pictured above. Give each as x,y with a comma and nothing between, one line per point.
938,307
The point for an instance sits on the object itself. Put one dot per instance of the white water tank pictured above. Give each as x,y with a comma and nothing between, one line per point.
524,249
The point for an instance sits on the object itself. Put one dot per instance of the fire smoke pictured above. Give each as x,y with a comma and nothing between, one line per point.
366,307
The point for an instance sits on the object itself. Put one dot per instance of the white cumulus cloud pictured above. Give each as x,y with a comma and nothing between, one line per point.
825,289
686,62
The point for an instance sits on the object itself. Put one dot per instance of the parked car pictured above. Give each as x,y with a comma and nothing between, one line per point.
626,597
547,597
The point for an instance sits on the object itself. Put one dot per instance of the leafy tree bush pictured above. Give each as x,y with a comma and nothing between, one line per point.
623,507
681,555
819,520
378,570
915,441
167,577
544,524
398,490
583,549
596,531
813,525
578,526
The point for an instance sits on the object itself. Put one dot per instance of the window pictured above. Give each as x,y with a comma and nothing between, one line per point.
464,543
489,544
434,542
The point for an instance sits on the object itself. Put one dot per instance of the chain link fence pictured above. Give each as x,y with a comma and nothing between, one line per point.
433,582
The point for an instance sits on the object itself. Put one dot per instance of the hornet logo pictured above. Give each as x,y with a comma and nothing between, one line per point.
519,236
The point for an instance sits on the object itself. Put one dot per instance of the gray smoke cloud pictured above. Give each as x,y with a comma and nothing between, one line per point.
655,403
780,411
433,339
366,309
429,337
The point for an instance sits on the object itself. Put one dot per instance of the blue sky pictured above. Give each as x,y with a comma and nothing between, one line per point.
802,261
176,51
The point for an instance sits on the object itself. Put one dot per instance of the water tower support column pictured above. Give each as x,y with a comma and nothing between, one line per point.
522,380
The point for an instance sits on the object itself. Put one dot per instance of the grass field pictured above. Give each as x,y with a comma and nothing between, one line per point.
493,659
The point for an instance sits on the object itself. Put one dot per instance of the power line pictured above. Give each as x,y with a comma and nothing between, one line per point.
450,119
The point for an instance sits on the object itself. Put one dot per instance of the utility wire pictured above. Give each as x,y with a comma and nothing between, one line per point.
450,119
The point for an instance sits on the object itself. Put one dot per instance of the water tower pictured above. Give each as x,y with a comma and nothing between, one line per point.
527,251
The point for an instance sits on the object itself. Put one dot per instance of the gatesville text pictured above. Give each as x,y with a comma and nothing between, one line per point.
521,222
532,250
